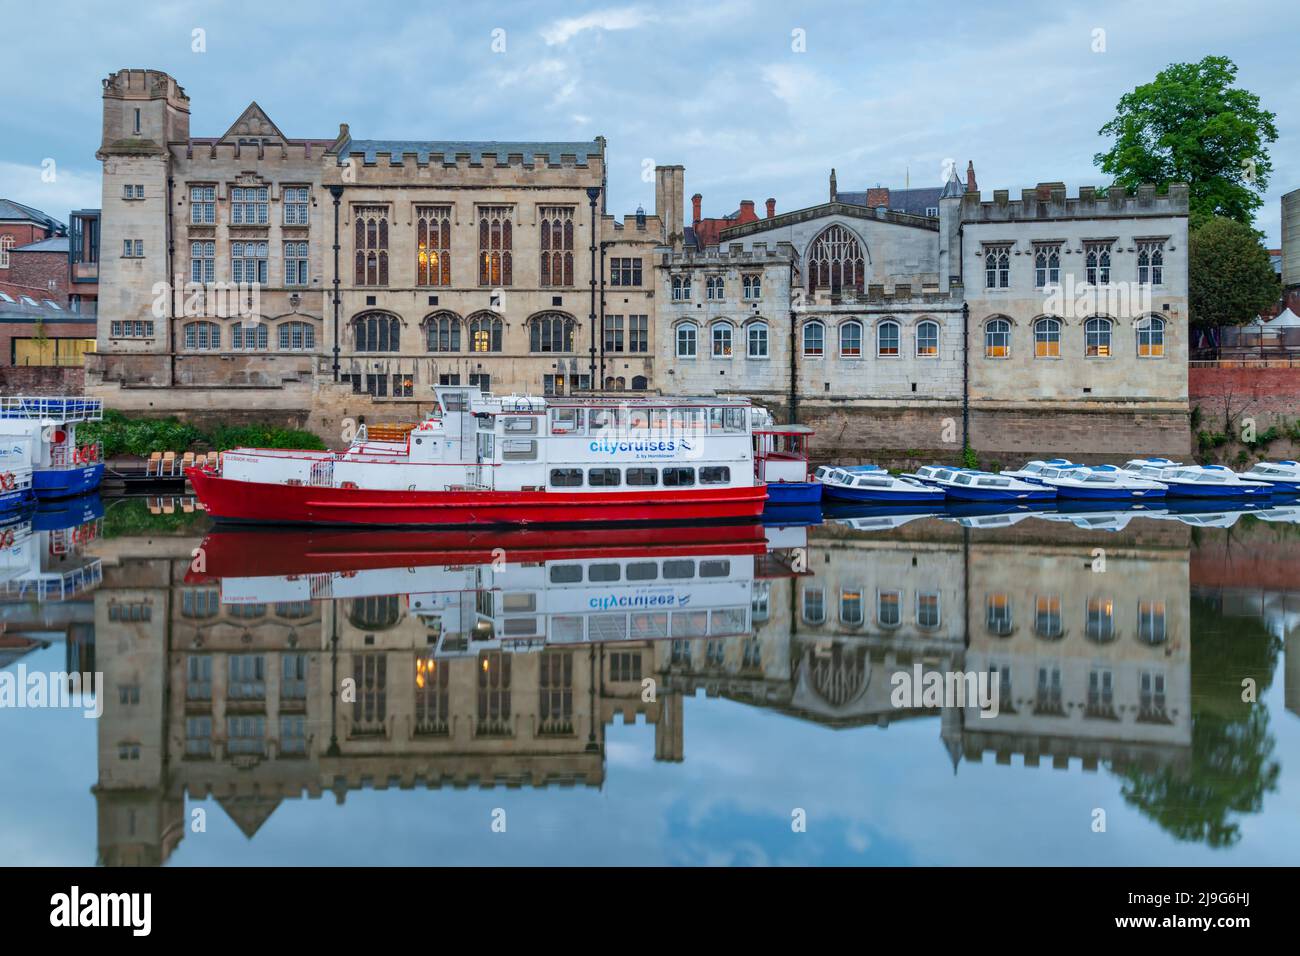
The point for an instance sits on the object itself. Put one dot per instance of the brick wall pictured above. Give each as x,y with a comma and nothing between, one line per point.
37,270
1266,394
41,380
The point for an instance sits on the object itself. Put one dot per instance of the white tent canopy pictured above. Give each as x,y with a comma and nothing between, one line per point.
1286,319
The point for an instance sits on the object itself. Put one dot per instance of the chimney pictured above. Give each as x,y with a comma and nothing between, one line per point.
834,190
695,205
771,208
971,185
747,213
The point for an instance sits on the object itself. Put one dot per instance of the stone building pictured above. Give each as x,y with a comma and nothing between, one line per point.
1041,325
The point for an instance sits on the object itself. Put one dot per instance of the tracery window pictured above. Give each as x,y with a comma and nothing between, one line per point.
371,229
495,242
433,245
557,245
835,261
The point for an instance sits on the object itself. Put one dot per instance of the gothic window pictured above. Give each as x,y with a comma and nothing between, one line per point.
887,339
720,336
640,383
681,288
202,336
1096,338
485,332
495,242
1097,262
442,331
751,286
1047,338
551,332
372,245
756,338
927,339
997,267
557,245
835,262
814,340
1151,262
997,338
297,337
433,245
1047,265
377,332
1151,337
851,340
687,340
713,288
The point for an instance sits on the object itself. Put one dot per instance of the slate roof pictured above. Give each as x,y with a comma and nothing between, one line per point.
11,211
914,201
450,149
52,244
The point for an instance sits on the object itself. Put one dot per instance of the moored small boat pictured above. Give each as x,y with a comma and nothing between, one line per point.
1284,476
1101,481
875,484
781,461
967,484
1032,471
1212,481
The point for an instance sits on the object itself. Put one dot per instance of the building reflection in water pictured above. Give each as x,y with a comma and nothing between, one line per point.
269,665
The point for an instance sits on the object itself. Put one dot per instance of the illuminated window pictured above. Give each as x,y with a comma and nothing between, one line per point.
1047,338
1151,337
720,336
998,618
997,338
1100,625
495,242
889,608
1096,338
851,607
1151,622
485,332
433,245
1047,617
927,339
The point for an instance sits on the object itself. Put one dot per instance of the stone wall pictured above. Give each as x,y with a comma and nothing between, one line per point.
41,380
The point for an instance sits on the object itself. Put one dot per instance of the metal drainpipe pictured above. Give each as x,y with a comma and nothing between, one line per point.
794,356
603,246
337,193
965,377
171,279
592,193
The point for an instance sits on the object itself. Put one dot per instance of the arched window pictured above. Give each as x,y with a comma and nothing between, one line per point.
6,243
613,384
372,245
1047,617
297,337
442,332
681,288
557,245
377,613
851,339
887,339
1047,338
1096,338
814,340
1151,337
997,338
202,336
377,332
248,336
1151,262
756,340
927,339
835,261
640,383
551,332
713,288
720,336
485,330
433,245
687,340
1047,265
997,267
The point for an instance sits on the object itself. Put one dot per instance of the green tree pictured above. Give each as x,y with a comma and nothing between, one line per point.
1230,279
1191,125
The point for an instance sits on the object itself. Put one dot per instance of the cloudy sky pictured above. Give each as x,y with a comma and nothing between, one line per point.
755,99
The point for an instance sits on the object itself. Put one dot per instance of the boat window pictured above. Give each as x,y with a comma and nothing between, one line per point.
604,418
872,482
566,629
566,573
963,479
690,623
518,449
642,571
1032,468
734,421
994,483
602,573
715,568
1051,473
566,477
730,620
678,477
942,474
520,426
642,476
602,477
720,475
659,419
638,418
687,419
566,421
518,602
455,401
648,626
521,627
680,569
1100,479
1216,477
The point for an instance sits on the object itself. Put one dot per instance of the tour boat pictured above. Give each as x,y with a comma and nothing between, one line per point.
1212,481
1101,481
1032,471
967,484
1284,476
873,483
46,430
483,459
781,461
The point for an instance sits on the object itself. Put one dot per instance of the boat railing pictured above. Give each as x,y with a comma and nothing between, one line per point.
54,410
68,456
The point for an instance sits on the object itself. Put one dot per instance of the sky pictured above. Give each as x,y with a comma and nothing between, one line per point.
756,99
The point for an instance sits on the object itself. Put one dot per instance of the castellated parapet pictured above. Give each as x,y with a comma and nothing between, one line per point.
1049,201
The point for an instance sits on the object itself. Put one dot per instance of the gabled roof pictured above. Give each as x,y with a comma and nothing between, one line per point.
825,210
252,122
11,211
914,201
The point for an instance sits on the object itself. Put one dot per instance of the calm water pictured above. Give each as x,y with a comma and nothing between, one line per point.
663,697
